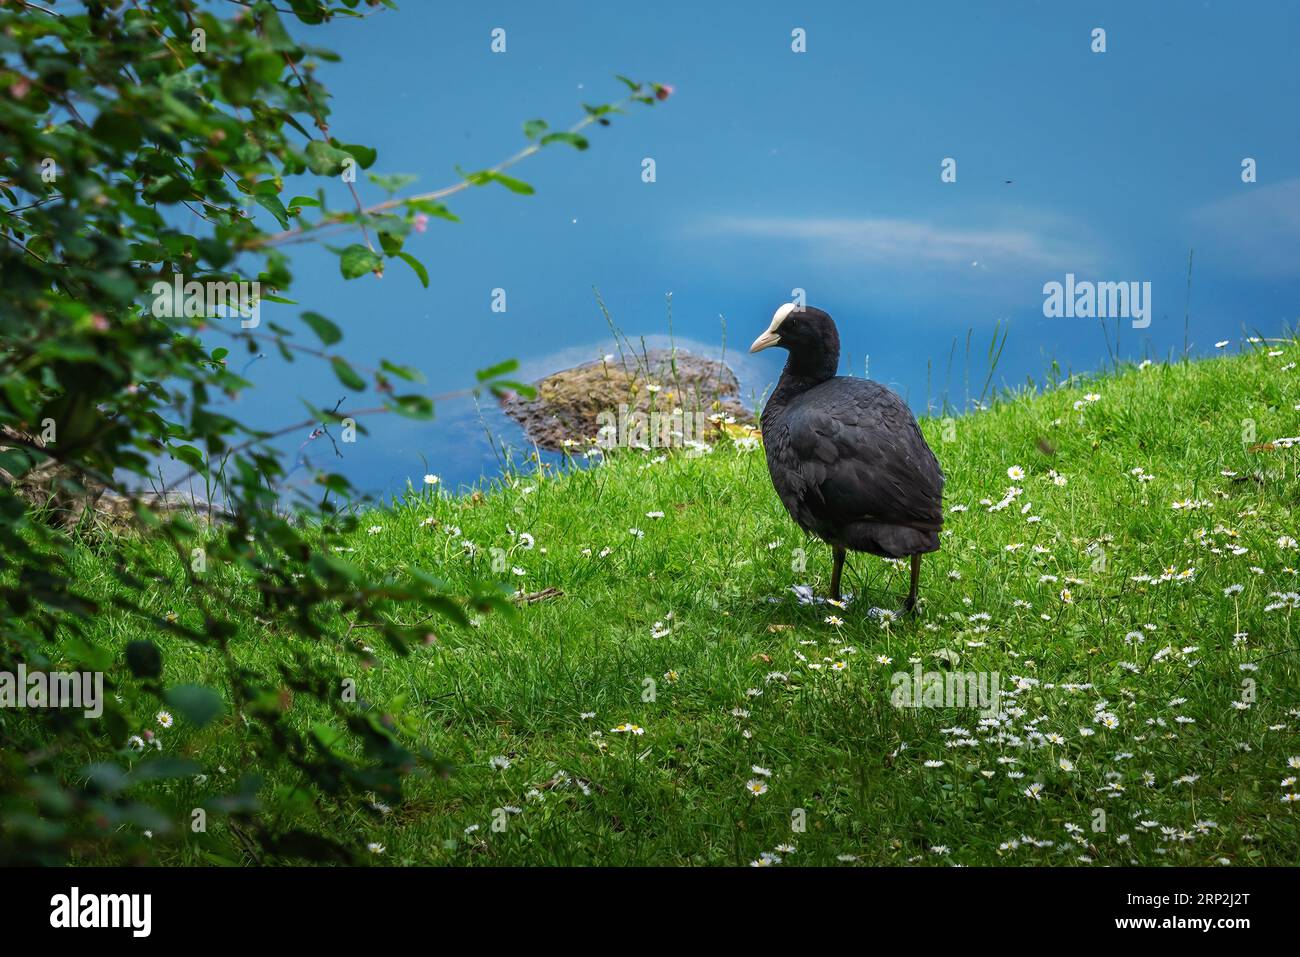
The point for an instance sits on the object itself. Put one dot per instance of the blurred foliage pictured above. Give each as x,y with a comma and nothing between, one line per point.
144,144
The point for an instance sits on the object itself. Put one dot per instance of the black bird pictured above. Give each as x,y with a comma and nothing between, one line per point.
845,454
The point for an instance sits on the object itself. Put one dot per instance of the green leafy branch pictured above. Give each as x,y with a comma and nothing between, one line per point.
329,159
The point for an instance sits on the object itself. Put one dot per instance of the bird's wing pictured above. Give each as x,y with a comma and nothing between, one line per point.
861,456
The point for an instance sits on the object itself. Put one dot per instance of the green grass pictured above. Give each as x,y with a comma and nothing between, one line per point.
704,593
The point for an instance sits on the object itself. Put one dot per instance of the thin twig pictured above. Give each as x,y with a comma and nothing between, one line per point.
437,194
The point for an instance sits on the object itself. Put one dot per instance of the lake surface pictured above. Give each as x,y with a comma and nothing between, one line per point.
821,171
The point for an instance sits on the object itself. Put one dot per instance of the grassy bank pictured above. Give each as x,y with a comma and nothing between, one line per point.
1131,597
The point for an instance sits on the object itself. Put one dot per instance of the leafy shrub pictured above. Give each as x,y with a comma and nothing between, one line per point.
118,124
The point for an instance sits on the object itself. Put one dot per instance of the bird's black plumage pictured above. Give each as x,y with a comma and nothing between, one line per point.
845,454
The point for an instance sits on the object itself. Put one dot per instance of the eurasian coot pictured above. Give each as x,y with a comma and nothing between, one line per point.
845,454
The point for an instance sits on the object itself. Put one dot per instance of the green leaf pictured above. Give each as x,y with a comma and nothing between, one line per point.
326,735
326,331
534,128
485,176
346,374
432,208
91,657
324,159
512,184
417,266
197,704
118,128
272,203
275,32
412,406
356,260
573,139
500,369
144,659
409,373
364,155
189,455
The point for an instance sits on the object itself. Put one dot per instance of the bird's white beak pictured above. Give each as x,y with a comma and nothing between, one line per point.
765,341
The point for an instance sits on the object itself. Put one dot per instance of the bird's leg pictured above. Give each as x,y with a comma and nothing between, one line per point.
835,573
910,604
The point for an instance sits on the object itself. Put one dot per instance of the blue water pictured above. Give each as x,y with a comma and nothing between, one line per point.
821,171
